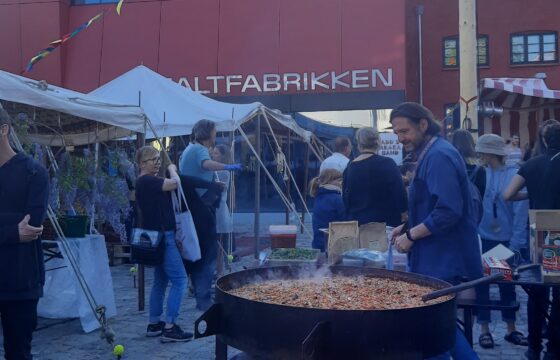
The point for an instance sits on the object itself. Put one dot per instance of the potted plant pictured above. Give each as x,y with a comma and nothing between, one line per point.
72,194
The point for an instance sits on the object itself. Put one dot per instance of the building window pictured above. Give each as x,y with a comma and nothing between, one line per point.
534,48
93,2
451,51
482,50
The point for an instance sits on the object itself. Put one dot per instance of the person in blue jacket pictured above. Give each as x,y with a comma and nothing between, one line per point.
328,206
503,222
441,234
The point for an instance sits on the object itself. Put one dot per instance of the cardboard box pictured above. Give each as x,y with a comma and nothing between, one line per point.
544,225
492,265
551,258
373,236
343,236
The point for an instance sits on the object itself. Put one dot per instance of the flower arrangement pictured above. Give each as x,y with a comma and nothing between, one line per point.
79,188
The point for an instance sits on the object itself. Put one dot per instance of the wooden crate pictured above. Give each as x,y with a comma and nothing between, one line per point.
118,254
541,223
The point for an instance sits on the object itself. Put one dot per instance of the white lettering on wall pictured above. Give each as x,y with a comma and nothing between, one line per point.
315,80
356,78
267,81
298,82
230,82
296,78
336,80
251,83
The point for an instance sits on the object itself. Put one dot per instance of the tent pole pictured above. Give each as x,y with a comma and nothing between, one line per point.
258,191
305,180
141,141
288,185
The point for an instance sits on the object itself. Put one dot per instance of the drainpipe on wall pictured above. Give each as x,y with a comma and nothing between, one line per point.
419,13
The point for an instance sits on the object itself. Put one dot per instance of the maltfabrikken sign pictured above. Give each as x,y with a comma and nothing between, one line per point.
290,82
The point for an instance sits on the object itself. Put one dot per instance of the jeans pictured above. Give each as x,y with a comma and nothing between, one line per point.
202,271
507,292
19,319
172,270
461,351
203,275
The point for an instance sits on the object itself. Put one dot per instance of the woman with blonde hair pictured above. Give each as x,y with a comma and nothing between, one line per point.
328,206
373,189
153,196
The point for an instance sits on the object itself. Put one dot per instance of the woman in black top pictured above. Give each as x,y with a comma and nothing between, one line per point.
153,196
373,190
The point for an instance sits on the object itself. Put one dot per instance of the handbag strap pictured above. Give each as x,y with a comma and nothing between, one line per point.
177,196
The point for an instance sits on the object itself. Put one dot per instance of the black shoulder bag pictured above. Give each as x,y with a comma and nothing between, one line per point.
147,247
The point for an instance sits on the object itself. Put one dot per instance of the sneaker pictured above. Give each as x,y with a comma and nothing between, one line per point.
155,329
175,334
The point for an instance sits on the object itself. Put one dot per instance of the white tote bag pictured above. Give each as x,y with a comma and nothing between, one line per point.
185,233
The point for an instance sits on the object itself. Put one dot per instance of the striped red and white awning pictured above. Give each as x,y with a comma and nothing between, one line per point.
526,103
529,87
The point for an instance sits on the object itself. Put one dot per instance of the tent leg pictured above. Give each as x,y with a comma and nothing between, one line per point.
288,185
258,192
305,181
141,141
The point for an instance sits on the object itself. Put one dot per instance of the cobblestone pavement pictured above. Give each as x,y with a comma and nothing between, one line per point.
64,339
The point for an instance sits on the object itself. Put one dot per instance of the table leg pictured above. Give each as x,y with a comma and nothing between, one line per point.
468,324
221,348
141,289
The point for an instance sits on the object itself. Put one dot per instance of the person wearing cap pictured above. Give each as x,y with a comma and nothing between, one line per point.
341,156
503,222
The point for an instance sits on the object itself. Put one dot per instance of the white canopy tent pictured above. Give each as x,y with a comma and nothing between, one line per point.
174,109
60,116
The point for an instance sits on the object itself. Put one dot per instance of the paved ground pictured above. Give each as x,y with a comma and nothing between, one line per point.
64,339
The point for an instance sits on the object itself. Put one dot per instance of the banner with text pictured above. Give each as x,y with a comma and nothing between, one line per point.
391,147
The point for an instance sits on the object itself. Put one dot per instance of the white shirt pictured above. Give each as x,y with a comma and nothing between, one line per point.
336,161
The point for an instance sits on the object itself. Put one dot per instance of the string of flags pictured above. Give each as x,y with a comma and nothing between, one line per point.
56,43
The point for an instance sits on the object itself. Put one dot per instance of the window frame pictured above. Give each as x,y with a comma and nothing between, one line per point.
456,39
447,38
525,36
97,2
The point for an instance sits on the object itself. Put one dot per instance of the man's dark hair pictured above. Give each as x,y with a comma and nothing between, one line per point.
341,143
416,112
202,130
5,117
552,136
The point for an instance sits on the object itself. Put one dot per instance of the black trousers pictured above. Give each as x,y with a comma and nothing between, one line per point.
536,307
19,319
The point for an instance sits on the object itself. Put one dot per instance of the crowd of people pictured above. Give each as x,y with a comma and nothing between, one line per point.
448,203
455,200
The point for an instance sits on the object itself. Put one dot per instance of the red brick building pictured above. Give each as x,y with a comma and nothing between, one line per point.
295,55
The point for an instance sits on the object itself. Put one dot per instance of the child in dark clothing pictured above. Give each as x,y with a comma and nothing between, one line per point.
328,207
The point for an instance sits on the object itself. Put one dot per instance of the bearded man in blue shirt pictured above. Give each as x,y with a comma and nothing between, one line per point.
441,240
